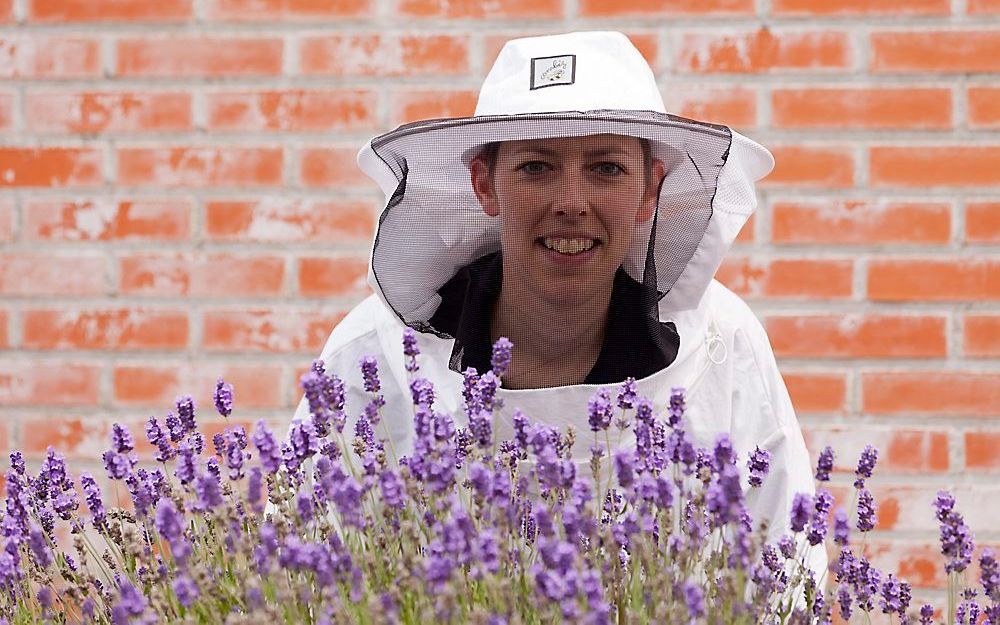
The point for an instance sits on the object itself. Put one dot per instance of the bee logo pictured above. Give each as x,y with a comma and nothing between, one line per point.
549,71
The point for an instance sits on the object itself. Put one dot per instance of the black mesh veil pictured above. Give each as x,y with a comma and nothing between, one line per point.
439,259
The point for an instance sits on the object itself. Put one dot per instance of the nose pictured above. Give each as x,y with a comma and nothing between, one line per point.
571,196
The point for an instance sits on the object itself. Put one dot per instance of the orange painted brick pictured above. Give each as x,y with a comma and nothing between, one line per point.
4,336
199,56
51,274
792,278
762,51
982,450
105,219
984,107
61,11
199,275
74,437
858,107
861,7
282,10
816,392
119,329
458,9
200,166
384,55
344,276
934,279
860,222
37,383
732,106
931,166
977,7
49,167
7,223
931,392
409,106
982,222
49,56
645,43
158,384
830,167
981,336
627,8
290,220
935,51
857,336
273,330
6,11
919,563
900,451
332,166
6,111
298,110
94,112
746,234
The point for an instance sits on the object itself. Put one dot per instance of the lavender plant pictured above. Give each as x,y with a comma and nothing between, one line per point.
330,526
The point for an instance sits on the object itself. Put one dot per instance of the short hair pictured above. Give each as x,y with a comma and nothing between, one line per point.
490,151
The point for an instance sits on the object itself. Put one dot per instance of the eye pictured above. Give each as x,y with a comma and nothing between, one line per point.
533,167
609,169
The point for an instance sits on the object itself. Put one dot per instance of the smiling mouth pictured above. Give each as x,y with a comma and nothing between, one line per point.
568,247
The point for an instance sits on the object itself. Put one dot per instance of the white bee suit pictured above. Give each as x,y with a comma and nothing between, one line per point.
432,226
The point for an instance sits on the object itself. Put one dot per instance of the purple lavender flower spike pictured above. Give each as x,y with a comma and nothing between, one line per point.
121,439
956,539
131,606
675,411
158,438
818,523
501,357
891,599
223,397
170,525
926,614
255,489
801,509
600,410
95,503
627,394
866,464
989,574
694,599
185,590
369,372
866,510
410,349
625,467
844,600
117,465
209,492
758,464
841,528
17,462
825,464
267,448
185,413
186,467
40,549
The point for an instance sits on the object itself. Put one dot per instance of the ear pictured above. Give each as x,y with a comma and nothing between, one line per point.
482,185
652,193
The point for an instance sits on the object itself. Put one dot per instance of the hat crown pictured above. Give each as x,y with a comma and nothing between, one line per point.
581,71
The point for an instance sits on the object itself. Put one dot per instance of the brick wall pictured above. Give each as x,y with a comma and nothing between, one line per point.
178,200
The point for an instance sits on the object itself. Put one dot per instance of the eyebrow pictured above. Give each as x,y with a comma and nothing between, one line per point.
552,153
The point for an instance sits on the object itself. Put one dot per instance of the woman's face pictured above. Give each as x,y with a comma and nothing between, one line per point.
582,196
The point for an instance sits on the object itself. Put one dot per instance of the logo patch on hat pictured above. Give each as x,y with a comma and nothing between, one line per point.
549,71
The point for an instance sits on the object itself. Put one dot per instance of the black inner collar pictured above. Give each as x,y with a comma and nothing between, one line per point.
635,344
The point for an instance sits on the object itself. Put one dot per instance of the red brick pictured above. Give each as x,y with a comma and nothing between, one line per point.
976,7
409,106
859,107
4,337
284,10
6,111
6,15
627,8
119,329
74,437
297,110
49,167
384,55
344,276
984,107
982,450
861,222
459,9
861,7
50,274
61,11
200,275
645,43
857,336
199,56
919,563
935,51
746,234
900,451
95,112
158,384
7,223
933,166
762,51
982,222
792,278
934,279
273,331
732,106
828,167
981,337
37,383
816,392
49,56
105,219
290,220
200,166
332,166
944,393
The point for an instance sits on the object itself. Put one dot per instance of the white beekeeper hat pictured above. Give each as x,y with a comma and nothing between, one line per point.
574,84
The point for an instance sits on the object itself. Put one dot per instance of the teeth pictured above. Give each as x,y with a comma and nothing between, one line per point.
569,246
